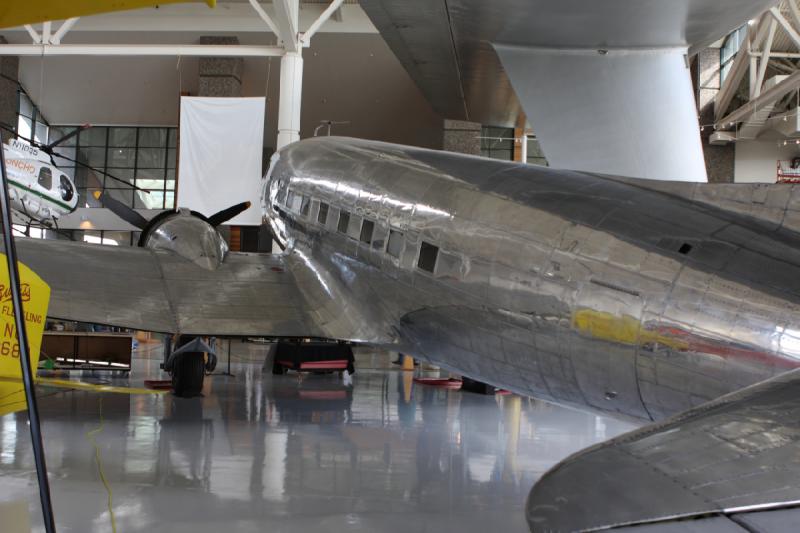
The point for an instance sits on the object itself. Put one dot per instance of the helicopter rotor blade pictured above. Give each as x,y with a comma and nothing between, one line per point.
121,210
226,214
52,154
47,148
98,171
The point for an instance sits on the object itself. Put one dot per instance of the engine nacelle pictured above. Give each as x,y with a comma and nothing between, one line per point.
188,234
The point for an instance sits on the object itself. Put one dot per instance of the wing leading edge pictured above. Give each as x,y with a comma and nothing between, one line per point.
729,465
250,294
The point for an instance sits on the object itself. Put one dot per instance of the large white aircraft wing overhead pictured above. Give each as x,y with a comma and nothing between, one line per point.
605,85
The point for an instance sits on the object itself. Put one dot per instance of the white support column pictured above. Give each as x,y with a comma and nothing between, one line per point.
290,99
288,21
524,148
46,31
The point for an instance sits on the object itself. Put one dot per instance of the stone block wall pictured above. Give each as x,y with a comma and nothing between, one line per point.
220,76
707,81
462,137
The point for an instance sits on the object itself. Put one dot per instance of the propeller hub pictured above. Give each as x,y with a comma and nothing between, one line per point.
188,235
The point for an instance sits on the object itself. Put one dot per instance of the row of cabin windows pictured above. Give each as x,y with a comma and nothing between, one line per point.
449,265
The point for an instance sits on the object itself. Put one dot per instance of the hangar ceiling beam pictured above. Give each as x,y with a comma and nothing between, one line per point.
33,33
63,29
266,18
792,83
790,31
795,11
741,63
139,50
323,18
758,53
764,62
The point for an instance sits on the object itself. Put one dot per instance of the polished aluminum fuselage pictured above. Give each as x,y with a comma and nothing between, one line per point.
576,288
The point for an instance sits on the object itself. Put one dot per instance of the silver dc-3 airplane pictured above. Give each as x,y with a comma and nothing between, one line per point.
676,304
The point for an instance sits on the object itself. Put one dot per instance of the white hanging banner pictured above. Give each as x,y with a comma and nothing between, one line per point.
221,143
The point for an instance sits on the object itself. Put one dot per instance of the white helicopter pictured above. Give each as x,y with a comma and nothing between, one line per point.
39,191
37,188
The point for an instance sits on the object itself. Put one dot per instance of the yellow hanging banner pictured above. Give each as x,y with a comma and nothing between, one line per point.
35,298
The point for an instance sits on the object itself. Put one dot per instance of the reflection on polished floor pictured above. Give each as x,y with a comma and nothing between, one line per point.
293,454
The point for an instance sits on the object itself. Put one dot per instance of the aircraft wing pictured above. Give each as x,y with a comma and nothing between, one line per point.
582,73
138,288
731,465
17,12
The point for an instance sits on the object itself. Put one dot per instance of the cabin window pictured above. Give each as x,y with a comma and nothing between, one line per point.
427,257
366,231
66,189
395,246
282,194
448,266
45,178
322,215
290,199
354,228
344,221
379,236
305,205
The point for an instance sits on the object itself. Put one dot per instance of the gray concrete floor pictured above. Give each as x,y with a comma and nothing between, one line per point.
291,453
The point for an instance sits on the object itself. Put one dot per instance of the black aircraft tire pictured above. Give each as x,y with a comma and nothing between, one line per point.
188,374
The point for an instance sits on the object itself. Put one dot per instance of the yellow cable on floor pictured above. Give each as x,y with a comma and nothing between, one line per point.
81,385
90,435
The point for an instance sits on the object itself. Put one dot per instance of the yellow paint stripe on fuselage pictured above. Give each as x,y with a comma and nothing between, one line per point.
621,329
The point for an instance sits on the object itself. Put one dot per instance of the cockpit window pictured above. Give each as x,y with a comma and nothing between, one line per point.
305,205
45,178
66,189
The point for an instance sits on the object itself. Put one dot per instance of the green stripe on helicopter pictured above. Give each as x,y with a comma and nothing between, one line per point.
69,208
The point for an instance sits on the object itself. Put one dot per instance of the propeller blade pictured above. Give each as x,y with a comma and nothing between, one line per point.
47,148
226,214
121,210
